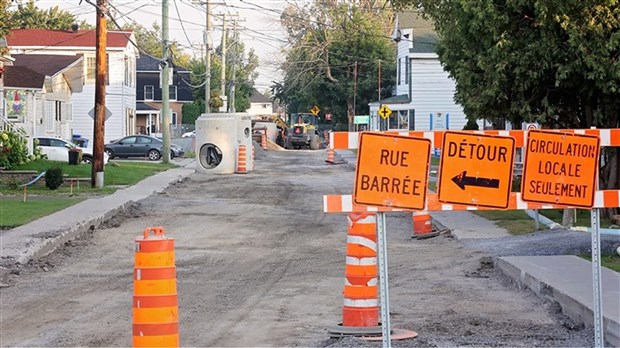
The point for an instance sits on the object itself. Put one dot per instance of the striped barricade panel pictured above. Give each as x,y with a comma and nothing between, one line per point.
345,204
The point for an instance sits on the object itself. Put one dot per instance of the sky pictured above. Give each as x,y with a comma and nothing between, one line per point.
258,23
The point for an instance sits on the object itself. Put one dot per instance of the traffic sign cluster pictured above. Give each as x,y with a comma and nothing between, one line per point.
560,169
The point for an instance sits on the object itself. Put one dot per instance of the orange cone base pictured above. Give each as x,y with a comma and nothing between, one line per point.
371,333
360,317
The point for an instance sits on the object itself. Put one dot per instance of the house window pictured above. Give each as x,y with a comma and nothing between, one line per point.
49,115
148,92
174,119
127,79
91,69
399,62
173,93
58,111
407,72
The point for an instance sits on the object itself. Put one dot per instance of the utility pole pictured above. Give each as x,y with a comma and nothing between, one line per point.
165,83
97,178
208,59
231,102
223,80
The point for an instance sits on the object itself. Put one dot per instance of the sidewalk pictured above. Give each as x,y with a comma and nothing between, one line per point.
564,279
39,237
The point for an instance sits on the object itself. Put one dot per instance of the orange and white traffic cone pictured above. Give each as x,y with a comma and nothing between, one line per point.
331,156
242,167
253,157
155,303
360,312
422,225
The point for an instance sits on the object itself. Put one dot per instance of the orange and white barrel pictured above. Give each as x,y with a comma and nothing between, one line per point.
242,167
155,303
361,307
331,156
263,140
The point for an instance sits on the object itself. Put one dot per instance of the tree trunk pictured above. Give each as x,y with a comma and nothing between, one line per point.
567,217
350,114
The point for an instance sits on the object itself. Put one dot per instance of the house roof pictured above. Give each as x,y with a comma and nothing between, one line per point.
30,70
424,35
64,38
141,106
46,64
146,62
23,77
258,97
397,99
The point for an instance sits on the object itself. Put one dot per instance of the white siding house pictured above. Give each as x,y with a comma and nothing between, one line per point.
121,67
424,92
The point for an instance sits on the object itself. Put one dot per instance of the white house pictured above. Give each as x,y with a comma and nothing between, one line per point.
121,84
260,104
38,90
424,92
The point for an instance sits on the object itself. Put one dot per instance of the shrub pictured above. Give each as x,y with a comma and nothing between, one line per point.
53,178
13,150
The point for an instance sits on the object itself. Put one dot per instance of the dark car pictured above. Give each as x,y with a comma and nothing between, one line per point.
140,146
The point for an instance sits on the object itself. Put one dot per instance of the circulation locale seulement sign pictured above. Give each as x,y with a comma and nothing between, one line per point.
560,168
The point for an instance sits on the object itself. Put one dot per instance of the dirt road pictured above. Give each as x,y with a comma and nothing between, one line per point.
259,264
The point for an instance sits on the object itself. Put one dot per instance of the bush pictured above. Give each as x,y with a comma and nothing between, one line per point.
53,178
13,150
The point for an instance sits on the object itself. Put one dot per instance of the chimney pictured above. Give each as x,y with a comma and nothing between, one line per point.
75,27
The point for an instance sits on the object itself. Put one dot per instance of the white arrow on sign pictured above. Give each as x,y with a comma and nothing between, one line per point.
108,113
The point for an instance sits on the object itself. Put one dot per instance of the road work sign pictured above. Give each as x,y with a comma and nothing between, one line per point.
476,169
392,171
560,168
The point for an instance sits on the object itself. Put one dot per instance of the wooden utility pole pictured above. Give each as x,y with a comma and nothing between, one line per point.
208,59
97,179
223,80
231,101
165,83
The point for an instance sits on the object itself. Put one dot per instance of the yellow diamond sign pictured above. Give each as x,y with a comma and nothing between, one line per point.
315,110
384,111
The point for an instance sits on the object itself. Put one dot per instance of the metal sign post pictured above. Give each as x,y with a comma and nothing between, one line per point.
597,304
383,280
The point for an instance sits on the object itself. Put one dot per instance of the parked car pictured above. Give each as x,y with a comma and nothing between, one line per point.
189,134
57,149
140,146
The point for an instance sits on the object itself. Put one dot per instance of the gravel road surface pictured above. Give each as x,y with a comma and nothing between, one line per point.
260,264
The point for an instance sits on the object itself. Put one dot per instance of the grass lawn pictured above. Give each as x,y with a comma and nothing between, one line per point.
517,222
611,261
583,217
14,212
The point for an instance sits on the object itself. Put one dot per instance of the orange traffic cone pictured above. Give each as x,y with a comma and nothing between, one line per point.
422,225
331,156
242,160
360,312
155,303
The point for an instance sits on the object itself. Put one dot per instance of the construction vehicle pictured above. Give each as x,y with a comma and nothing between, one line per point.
304,132
273,124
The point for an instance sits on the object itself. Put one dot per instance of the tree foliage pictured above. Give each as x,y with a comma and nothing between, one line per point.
29,16
551,61
335,51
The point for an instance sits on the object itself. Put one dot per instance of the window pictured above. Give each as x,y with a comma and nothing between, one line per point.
58,111
143,140
407,72
173,93
49,115
148,92
399,63
129,140
91,69
174,119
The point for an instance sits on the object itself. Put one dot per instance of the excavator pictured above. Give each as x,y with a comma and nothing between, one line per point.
304,132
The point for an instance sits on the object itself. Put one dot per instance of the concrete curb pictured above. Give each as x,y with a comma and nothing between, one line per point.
573,295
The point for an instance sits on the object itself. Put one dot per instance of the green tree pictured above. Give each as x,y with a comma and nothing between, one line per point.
336,50
29,16
552,61
149,41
